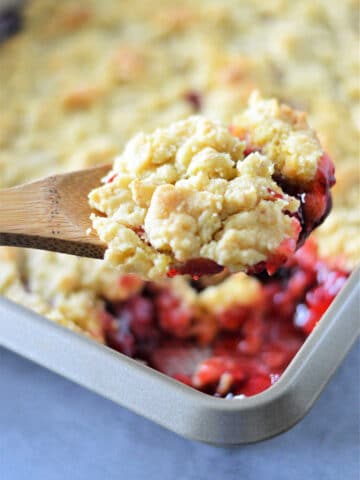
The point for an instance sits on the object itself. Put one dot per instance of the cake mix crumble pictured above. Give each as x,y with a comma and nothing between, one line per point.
196,196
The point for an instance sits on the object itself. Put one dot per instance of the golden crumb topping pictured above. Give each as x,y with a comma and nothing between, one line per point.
237,289
284,136
191,190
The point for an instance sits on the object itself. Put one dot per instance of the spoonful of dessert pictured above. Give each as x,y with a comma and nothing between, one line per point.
191,198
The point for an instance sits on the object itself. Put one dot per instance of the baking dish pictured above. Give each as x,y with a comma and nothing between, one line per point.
175,406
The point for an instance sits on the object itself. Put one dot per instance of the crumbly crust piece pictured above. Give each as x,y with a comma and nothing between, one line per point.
238,289
191,190
284,136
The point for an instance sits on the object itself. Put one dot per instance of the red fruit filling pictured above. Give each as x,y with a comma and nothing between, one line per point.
112,178
196,268
194,98
239,351
315,201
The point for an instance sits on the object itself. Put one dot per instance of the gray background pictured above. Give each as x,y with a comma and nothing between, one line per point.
53,429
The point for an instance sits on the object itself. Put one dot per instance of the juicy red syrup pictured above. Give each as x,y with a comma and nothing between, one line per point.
195,99
112,178
316,201
251,345
196,268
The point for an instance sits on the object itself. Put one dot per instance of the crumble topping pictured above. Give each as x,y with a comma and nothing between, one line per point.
195,190
284,136
237,289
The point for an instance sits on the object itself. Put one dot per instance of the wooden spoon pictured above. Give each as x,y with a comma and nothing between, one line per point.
52,214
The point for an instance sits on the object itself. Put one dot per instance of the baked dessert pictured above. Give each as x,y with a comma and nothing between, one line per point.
196,197
78,80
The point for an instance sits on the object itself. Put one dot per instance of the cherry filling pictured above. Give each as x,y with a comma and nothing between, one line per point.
111,178
316,201
194,98
242,350
196,268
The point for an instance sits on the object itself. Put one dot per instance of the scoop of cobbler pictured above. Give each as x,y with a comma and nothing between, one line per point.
196,197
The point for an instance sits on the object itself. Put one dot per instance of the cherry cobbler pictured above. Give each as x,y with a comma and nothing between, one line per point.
224,248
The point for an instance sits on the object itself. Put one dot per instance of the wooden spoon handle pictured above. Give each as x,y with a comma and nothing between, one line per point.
50,214
21,212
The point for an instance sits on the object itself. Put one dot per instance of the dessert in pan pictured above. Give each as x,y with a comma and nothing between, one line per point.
79,82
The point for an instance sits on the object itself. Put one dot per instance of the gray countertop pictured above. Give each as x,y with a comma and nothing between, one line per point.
53,429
